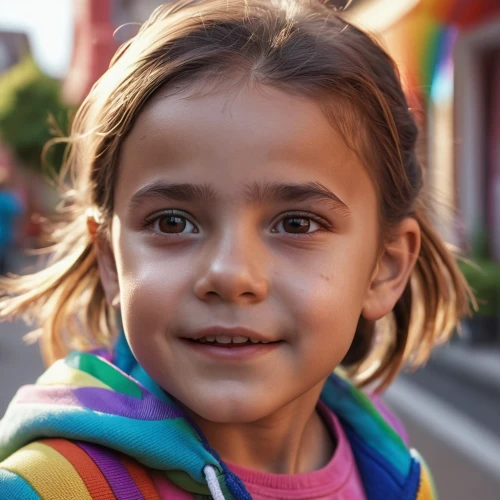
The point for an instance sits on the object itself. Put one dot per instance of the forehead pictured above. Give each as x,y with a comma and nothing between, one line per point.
236,137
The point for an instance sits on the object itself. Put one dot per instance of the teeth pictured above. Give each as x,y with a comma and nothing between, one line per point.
222,339
240,340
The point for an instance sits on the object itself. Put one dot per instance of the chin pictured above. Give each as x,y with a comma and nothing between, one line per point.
228,410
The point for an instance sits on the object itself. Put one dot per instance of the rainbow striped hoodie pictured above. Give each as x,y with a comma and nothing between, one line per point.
93,429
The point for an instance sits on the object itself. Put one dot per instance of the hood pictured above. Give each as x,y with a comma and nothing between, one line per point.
85,397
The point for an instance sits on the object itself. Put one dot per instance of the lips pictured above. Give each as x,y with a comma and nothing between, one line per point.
229,337
231,352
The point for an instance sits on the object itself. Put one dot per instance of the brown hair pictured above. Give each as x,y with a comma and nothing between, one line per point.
300,46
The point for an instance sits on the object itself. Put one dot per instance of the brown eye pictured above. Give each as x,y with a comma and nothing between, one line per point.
173,224
297,225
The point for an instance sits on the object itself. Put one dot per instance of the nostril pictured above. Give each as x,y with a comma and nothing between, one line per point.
231,283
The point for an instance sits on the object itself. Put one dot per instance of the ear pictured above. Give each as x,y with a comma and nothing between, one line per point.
107,266
393,270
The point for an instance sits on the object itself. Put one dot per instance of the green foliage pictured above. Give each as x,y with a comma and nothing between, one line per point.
480,243
484,278
27,99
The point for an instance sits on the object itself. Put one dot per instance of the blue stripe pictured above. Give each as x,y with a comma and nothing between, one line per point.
379,435
15,487
412,485
380,479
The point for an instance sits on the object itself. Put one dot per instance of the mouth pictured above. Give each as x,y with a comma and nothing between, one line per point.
230,342
235,344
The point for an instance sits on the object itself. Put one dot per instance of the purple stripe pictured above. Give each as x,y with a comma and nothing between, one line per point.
101,400
102,353
113,470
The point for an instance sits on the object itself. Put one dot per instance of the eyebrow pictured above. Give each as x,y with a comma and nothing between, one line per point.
256,193
310,191
171,191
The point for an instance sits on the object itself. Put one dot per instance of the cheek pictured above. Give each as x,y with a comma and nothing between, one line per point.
152,289
327,301
329,315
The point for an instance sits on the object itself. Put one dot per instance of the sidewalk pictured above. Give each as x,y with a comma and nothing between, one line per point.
479,365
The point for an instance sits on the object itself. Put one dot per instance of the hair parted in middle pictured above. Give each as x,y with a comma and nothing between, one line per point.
303,47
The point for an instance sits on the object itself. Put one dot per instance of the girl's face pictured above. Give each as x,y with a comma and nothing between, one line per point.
241,215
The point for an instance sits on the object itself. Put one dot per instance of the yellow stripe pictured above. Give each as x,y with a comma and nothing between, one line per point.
60,373
426,489
48,472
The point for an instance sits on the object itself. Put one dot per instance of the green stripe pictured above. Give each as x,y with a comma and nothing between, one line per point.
366,403
184,481
103,371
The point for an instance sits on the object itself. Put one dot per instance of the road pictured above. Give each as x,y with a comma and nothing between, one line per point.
19,363
456,428
458,444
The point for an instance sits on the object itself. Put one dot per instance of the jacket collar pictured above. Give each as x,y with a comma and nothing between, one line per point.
85,397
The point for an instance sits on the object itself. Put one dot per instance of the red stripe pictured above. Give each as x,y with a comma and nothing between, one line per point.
91,475
141,478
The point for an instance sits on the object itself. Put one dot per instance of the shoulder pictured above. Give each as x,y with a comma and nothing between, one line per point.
58,468
49,467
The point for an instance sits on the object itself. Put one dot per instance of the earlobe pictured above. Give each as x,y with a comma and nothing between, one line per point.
393,271
107,270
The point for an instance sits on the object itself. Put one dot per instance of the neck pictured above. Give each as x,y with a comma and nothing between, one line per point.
293,440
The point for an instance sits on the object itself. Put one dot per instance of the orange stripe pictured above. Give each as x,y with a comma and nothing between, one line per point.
141,478
91,475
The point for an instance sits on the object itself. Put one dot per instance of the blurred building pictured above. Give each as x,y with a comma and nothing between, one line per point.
476,59
448,52
97,36
13,47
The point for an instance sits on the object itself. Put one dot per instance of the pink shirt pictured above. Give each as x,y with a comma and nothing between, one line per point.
338,480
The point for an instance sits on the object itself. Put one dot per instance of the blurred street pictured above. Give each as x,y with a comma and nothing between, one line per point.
19,363
453,422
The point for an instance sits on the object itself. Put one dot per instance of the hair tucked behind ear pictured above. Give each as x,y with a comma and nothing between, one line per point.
300,46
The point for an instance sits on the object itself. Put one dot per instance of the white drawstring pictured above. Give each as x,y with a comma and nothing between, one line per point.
213,483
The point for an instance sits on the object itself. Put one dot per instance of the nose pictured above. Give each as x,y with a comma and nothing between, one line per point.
233,270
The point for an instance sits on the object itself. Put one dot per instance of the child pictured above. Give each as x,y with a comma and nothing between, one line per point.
246,195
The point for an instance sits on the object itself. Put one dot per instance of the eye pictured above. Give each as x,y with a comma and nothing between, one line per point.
297,224
172,223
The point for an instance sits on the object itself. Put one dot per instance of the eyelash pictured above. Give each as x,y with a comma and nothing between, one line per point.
150,220
323,223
